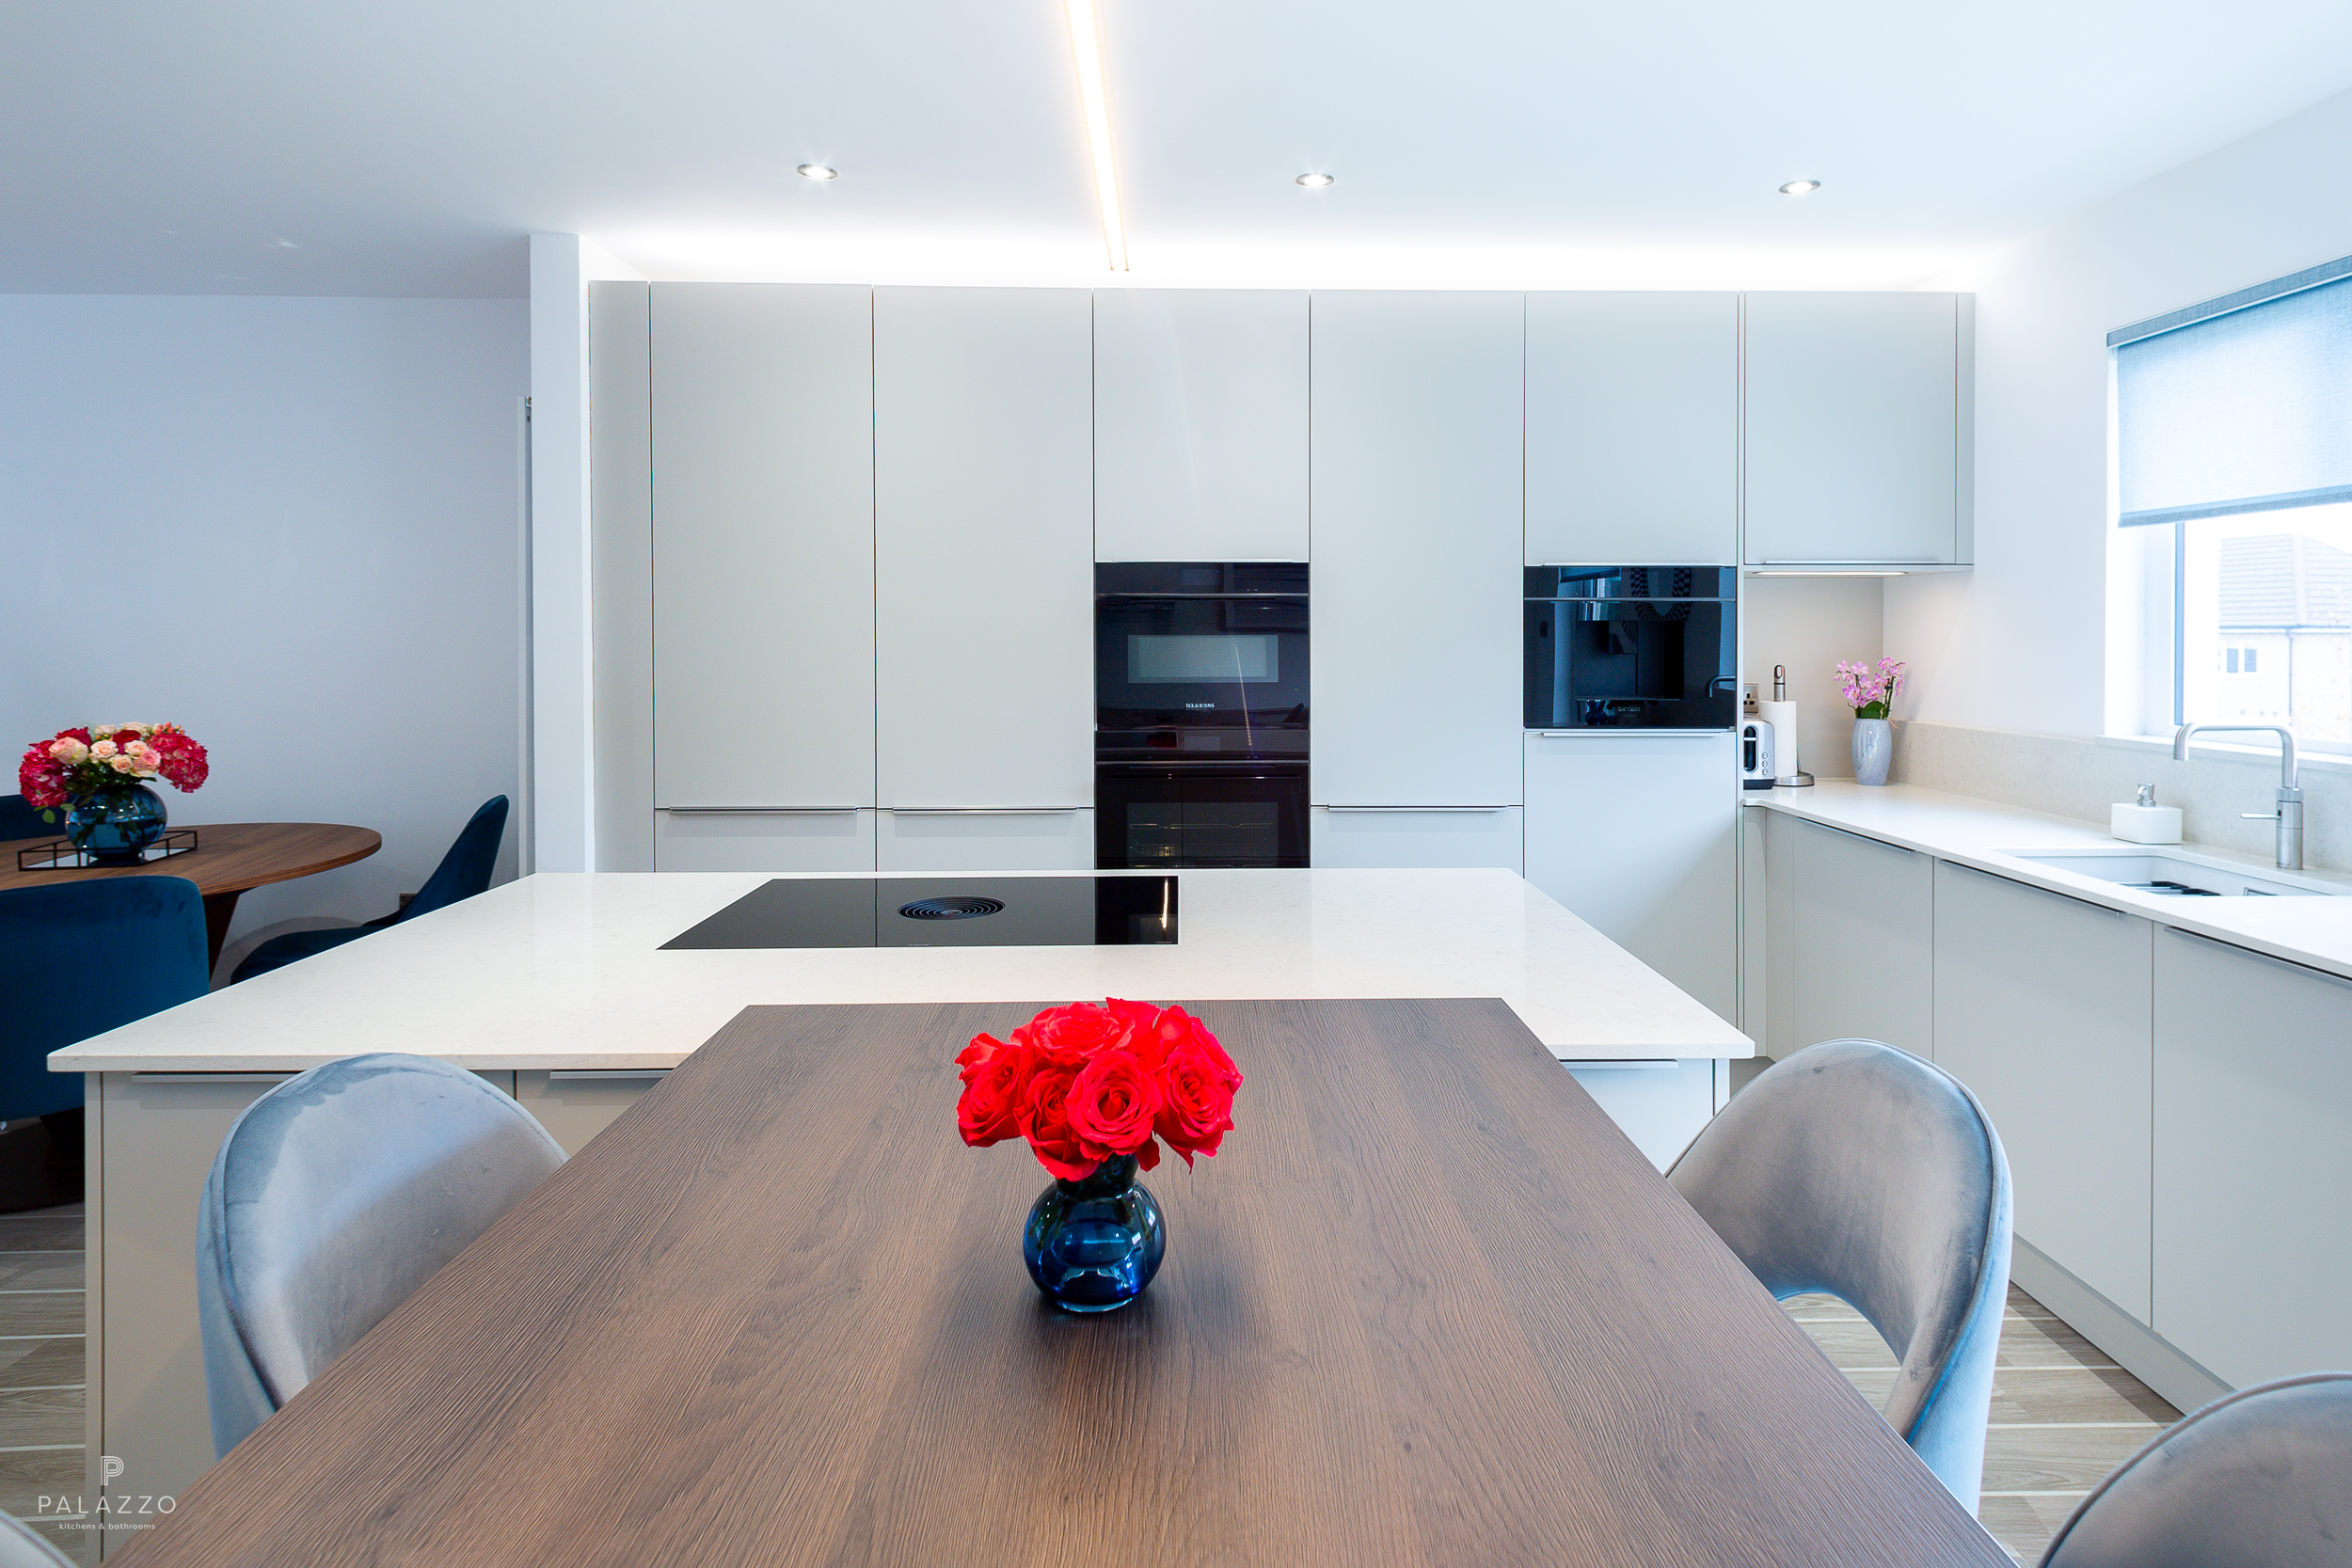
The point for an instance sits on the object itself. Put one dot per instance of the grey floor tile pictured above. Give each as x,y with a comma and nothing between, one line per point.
30,1416
42,1271
41,1363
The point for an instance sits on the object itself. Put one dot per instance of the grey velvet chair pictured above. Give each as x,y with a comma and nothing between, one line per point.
21,1546
1858,1169
2258,1479
332,1198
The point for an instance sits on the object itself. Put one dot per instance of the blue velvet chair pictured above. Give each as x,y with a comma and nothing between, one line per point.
2258,1479
1860,1170
463,872
20,818
21,1546
332,1198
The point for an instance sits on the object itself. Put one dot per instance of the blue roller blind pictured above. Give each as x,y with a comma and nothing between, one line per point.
2245,407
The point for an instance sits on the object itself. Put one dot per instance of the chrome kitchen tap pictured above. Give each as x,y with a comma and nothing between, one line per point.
2290,813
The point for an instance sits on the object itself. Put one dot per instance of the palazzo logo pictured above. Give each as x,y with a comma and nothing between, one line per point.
112,1511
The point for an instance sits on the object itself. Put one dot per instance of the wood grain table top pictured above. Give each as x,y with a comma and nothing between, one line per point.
1429,1307
231,857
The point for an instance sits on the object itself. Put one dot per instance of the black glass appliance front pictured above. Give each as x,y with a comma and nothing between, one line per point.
1198,813
943,911
1632,648
1180,644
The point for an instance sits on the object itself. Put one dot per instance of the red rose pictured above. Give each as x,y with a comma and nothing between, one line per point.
1045,1122
79,732
993,1075
1066,1036
1196,1084
1111,1105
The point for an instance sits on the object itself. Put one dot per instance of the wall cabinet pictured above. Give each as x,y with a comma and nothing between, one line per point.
1633,428
1862,925
1858,428
2042,1008
983,544
763,544
1416,458
1416,836
1200,424
2254,1155
1637,835
1061,839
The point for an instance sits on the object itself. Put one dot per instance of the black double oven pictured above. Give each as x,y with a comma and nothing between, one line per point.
1200,698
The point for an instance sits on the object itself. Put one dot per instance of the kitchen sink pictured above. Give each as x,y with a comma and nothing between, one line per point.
2175,875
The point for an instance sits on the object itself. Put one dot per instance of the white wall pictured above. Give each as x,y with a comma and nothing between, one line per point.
2022,642
292,525
1811,625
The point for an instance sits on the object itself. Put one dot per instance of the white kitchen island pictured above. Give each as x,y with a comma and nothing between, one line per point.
556,988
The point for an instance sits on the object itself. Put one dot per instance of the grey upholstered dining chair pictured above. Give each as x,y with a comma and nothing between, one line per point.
21,1546
2258,1479
332,1198
1860,1170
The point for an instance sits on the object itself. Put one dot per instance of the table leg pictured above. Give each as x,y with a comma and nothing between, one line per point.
220,909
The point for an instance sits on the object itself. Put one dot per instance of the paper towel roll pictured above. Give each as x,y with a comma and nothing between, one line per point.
1783,717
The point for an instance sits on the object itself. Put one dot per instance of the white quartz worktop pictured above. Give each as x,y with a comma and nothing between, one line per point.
565,971
2316,931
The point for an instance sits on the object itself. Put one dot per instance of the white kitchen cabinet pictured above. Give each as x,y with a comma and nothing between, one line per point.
2042,1008
832,840
574,1105
2253,1158
1659,1105
1058,840
763,545
1637,834
1633,428
1200,424
1418,453
1857,428
1378,836
1862,923
983,545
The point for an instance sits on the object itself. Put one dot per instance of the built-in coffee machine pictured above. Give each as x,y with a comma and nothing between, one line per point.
1201,692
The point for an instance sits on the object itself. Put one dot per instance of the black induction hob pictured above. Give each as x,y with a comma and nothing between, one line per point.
943,911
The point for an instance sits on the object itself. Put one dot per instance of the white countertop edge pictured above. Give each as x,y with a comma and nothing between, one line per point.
2314,932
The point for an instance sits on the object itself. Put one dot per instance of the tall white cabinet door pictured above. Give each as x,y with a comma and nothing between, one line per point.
1200,424
1417,452
1862,932
2042,1008
2253,1133
1632,429
984,546
1637,834
1853,428
763,545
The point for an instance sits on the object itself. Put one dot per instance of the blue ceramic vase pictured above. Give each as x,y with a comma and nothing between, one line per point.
1092,1245
1873,749
114,826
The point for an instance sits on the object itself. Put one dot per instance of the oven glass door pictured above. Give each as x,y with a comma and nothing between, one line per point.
1200,815
1178,644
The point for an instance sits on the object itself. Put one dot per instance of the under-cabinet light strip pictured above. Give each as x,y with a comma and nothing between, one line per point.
1086,48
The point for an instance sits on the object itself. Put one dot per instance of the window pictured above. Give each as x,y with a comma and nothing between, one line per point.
2234,435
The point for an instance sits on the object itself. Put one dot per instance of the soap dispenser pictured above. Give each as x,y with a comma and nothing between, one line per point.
2144,821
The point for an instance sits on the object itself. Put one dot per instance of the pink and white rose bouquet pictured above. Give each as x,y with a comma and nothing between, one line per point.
94,759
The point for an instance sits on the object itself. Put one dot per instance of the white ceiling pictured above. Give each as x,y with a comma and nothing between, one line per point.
275,147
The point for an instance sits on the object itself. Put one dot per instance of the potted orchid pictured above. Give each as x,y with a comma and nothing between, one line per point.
1870,691
100,773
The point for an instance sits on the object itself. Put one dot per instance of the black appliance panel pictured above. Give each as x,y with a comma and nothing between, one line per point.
1159,817
1183,644
1632,647
943,911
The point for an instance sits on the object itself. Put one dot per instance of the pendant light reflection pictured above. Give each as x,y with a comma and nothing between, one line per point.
1086,48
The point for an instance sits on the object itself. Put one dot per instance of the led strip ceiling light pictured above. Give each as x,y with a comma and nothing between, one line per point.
1085,46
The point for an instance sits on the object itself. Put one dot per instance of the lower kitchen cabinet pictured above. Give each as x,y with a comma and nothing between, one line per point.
1660,1105
764,841
1638,834
1407,836
575,1105
1059,839
1862,925
2253,1158
2042,1008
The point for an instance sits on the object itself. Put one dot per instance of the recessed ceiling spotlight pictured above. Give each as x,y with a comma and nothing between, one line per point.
1316,181
1801,187
818,171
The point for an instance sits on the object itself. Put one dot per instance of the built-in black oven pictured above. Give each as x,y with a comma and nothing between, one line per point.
1201,692
1632,648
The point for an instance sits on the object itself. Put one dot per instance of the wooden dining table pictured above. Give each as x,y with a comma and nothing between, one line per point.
1428,1307
228,859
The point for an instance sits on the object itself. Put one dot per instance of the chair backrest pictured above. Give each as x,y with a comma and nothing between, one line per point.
2258,1479
22,1546
465,869
332,1198
20,818
1860,1170
79,959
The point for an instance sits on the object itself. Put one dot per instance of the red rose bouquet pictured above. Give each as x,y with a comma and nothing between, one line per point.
96,758
1087,1084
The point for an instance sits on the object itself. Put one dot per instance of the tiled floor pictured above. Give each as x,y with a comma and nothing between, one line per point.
41,1368
2064,1413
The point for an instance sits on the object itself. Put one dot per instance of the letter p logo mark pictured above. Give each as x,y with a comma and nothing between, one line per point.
108,1468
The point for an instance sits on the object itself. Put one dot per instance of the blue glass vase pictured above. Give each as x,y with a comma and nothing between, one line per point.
114,826
1092,1245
